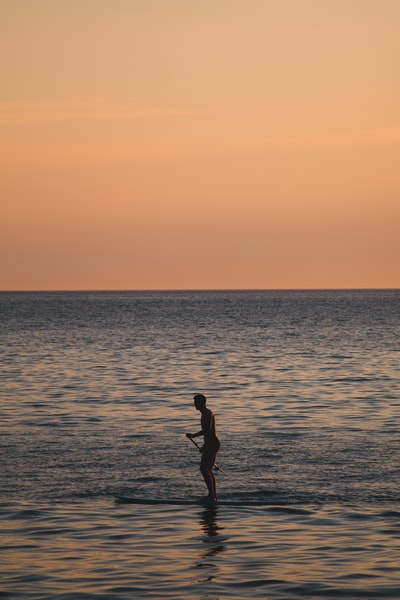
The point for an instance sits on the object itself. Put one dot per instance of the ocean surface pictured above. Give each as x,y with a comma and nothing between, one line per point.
96,398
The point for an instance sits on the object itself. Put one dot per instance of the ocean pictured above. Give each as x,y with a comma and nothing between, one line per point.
97,395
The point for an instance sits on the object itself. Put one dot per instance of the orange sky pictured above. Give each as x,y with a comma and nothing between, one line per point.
169,144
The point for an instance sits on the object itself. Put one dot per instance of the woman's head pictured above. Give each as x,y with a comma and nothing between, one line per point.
199,401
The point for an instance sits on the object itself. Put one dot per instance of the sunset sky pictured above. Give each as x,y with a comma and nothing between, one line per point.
199,144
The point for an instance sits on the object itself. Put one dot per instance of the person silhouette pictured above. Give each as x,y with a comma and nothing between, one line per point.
211,444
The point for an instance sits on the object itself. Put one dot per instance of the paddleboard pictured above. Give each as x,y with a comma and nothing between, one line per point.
193,501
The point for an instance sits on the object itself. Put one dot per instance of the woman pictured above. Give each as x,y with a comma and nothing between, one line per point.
210,447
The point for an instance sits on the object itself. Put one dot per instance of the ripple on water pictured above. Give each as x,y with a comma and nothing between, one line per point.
274,553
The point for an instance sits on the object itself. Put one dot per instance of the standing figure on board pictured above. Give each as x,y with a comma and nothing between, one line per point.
211,444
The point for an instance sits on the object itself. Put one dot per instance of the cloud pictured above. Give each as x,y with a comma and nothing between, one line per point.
81,109
362,137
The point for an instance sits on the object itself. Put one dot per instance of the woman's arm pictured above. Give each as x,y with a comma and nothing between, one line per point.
193,435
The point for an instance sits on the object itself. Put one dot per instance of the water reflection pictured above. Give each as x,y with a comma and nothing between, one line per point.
214,543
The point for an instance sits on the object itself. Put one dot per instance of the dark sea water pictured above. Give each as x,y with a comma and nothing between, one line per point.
96,397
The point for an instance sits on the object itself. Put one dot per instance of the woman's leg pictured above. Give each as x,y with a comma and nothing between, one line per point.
206,468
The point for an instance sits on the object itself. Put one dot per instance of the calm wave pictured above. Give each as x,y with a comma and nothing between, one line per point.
96,399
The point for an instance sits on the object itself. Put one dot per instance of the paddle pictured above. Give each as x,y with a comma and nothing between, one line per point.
216,467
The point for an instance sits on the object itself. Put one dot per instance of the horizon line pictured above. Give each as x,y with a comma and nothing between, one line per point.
129,290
